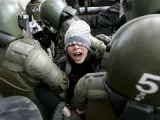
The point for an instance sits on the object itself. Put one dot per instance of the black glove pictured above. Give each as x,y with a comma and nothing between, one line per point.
103,38
58,115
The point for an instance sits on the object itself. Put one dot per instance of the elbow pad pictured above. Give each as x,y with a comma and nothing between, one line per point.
39,65
28,56
89,86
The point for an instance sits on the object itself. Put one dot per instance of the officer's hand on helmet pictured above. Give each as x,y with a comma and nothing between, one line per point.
104,38
95,52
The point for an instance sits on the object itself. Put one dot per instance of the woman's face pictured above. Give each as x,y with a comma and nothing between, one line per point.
78,53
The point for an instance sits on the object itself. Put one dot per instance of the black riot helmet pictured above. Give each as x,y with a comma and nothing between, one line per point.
133,72
133,63
13,20
55,12
32,9
136,8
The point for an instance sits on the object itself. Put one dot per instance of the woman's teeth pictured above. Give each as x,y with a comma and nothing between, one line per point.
78,54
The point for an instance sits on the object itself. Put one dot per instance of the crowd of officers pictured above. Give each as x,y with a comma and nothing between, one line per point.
47,54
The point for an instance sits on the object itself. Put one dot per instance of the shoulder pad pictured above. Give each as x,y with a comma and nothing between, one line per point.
16,54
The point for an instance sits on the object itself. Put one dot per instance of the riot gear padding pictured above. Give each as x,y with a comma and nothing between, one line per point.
87,86
136,8
55,12
35,62
133,63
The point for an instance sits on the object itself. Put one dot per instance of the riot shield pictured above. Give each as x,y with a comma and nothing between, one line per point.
18,108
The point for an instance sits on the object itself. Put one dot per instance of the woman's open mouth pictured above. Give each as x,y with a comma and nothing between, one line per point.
78,55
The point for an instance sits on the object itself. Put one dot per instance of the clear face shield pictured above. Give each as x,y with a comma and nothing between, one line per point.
23,20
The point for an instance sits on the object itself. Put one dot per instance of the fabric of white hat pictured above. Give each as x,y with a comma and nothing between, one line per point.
78,33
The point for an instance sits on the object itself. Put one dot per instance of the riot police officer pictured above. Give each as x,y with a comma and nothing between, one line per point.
60,16
32,9
41,31
137,8
23,63
112,18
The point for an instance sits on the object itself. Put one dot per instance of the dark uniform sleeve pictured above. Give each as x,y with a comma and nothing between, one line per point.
107,18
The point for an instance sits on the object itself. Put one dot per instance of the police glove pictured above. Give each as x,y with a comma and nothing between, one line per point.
73,116
105,39
63,113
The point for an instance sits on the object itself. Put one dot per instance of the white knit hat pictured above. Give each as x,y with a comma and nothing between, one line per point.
78,33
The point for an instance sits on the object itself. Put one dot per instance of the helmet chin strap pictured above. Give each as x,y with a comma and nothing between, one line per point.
137,111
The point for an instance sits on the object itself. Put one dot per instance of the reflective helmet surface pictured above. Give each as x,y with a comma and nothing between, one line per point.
136,8
9,12
32,9
51,10
134,60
